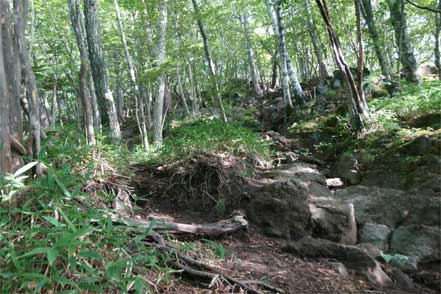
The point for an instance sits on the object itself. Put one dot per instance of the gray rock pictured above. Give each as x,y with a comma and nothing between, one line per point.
401,279
376,234
376,205
419,241
350,256
346,167
333,221
372,250
280,209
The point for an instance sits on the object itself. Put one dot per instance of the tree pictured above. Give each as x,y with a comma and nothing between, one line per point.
20,15
402,40
134,81
79,30
251,60
158,120
5,144
356,103
99,70
211,67
437,41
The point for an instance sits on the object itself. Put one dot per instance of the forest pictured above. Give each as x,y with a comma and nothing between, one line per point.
220,146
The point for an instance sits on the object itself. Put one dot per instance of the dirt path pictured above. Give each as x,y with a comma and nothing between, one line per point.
251,256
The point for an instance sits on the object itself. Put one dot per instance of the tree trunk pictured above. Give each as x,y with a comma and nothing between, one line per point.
211,67
437,40
54,102
21,11
158,107
13,79
402,39
250,51
99,70
79,30
95,107
134,81
357,107
368,15
312,30
276,21
5,143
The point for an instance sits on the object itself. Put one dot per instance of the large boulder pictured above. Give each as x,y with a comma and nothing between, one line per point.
419,241
333,221
376,205
346,167
376,234
279,208
351,256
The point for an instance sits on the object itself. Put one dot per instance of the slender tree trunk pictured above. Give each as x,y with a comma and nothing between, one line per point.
437,40
98,66
312,30
274,13
182,91
158,108
211,67
54,102
134,81
405,49
357,107
360,57
368,15
13,79
193,92
250,51
79,30
5,143
21,11
95,107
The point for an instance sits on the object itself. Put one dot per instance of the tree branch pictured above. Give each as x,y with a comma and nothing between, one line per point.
423,7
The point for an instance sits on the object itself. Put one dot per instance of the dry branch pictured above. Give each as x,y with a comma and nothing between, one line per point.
232,224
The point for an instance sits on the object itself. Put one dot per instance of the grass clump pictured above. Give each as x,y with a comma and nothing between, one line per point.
204,136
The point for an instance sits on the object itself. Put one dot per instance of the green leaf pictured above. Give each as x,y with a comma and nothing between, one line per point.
33,252
52,254
91,254
54,221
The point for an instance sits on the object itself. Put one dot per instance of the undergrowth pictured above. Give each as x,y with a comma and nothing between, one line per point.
203,136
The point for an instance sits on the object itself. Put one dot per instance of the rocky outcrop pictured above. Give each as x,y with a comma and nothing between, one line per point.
376,234
350,256
419,241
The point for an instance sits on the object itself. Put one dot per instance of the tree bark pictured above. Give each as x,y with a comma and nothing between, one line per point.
79,30
251,60
99,71
276,21
211,67
20,12
312,30
13,79
437,40
95,107
5,143
134,81
357,107
158,108
402,39
368,15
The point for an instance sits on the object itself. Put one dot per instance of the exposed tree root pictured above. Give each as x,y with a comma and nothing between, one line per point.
232,224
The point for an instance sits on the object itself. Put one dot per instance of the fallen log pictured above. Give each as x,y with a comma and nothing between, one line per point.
232,224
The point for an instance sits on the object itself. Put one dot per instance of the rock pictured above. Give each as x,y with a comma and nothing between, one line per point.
333,221
337,266
350,256
422,242
334,183
372,250
279,208
346,167
376,205
432,120
419,146
427,68
405,263
401,279
376,234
